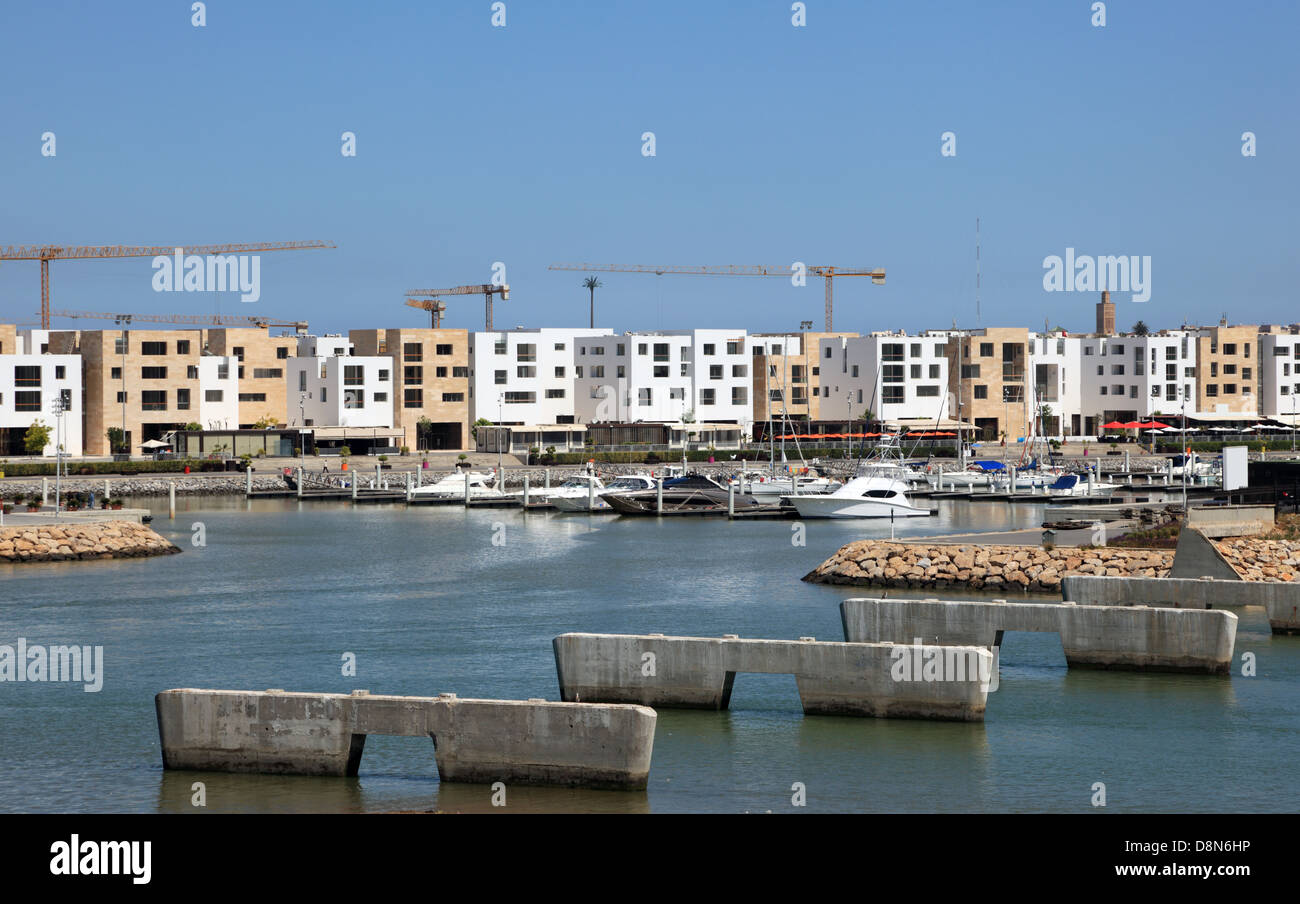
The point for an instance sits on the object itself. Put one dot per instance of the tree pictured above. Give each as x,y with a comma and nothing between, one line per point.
481,422
37,437
592,284
266,423
117,440
193,427
1141,329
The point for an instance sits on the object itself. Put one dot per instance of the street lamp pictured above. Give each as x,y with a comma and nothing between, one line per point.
1186,457
501,416
302,429
124,320
56,407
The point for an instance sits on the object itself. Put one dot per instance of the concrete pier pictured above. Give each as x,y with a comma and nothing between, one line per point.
482,741
1280,600
833,678
1130,638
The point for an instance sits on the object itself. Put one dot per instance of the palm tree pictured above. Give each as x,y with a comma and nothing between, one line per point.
1141,329
592,284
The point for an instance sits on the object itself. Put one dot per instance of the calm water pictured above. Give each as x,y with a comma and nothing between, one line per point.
428,604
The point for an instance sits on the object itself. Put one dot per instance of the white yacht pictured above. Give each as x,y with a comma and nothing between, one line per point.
879,490
628,483
769,489
580,485
1077,485
452,487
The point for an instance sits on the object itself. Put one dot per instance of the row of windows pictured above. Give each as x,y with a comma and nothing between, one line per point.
414,351
30,374
414,398
415,375
30,400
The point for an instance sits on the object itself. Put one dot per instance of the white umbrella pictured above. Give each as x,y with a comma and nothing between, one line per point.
154,444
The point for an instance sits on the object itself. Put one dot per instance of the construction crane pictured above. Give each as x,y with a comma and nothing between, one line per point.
436,308
47,253
199,319
829,273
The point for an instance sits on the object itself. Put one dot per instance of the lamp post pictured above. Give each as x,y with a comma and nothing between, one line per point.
1293,422
56,407
1186,457
501,403
302,429
124,320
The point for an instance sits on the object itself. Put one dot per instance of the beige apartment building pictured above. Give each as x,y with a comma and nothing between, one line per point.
1227,369
147,383
990,388
8,339
432,383
787,384
262,357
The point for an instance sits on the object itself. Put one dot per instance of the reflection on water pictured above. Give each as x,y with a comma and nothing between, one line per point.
428,604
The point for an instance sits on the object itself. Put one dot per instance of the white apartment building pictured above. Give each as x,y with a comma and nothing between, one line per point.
29,384
892,374
1056,382
668,376
526,377
328,386
218,403
1127,378
1279,371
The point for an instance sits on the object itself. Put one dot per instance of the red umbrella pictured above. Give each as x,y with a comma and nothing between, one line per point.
1115,425
1153,425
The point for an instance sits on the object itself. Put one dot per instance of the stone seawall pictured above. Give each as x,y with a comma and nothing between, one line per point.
884,563
1255,559
73,541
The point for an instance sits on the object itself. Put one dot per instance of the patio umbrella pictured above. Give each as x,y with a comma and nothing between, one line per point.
1152,425
154,444
1115,425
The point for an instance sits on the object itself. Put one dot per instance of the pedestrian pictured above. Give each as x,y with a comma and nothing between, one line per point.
325,468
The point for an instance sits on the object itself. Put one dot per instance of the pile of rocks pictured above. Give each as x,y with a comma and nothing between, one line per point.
69,542
883,563
187,485
1271,561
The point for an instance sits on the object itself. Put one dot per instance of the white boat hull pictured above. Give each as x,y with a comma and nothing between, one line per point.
833,507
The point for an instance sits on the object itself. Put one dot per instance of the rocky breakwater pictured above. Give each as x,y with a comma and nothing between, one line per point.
1257,559
72,542
883,563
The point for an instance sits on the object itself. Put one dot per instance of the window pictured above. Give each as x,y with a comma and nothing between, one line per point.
153,400
120,347
440,373
1102,390
596,350
153,348
622,350
413,375
559,346
742,370
381,397
500,347
1214,368
1155,392
661,370
191,371
268,373
893,395
27,401
526,352
622,372
934,371
828,352
1229,370
252,397
661,351
970,372
412,351
1117,370
1230,348
520,398
223,371
774,395
685,366
739,395
1229,388
893,351
915,371
324,394
577,372
709,348
153,373
499,378
116,373
213,395
916,350
412,398
1171,392
855,370
927,392
859,396
1212,390
526,372
353,375
27,375
643,396
598,371
281,352
239,353
734,347
241,373
1013,393
453,396
383,376
715,371
559,371
1245,350
707,396
986,349
982,391
1101,370
121,398
1245,373
442,350
555,393
1132,391
891,373
461,373
352,398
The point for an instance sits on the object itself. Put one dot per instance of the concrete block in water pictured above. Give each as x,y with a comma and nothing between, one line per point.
1105,637
833,678
1280,600
526,742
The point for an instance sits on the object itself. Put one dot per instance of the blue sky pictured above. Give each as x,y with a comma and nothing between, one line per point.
522,144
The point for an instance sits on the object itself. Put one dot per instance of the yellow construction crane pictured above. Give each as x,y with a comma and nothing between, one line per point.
829,273
415,298
197,319
47,253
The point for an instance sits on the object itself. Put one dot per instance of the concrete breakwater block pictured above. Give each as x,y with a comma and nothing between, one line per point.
527,742
1135,638
876,679
1281,601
